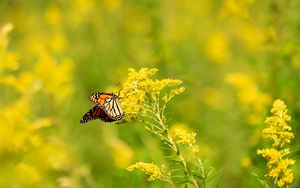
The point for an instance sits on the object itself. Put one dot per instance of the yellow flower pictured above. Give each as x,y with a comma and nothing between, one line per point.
83,9
251,35
27,174
182,137
181,134
277,129
287,178
58,42
280,134
138,88
272,155
249,95
246,162
32,154
150,169
9,61
53,16
121,152
55,76
233,8
217,48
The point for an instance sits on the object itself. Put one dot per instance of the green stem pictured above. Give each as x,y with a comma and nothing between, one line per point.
159,116
186,169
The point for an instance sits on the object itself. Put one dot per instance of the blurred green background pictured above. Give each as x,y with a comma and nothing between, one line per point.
234,57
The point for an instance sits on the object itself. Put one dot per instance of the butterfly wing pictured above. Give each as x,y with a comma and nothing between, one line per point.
113,108
99,98
96,113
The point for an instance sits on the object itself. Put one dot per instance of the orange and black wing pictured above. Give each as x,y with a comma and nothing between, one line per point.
96,113
100,98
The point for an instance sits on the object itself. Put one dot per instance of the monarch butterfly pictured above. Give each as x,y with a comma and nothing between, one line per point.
107,108
96,113
109,102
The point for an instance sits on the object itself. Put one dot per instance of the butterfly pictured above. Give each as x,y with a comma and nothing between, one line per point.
107,108
109,102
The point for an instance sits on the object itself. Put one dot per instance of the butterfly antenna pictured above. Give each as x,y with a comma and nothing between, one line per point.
120,93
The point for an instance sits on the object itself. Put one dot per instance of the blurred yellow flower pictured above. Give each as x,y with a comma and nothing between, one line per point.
249,95
42,123
58,42
9,61
28,154
53,16
252,36
27,175
84,6
57,155
16,126
83,9
112,5
25,82
233,8
121,152
217,47
55,76
246,162
280,134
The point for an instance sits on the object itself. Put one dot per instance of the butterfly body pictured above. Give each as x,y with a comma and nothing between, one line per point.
107,108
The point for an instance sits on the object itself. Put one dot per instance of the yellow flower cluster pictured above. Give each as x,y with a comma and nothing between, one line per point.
24,150
151,169
139,88
217,47
280,133
277,129
181,135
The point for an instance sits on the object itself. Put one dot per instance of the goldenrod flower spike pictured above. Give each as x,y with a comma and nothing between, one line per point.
139,87
280,133
151,169
277,128
146,97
